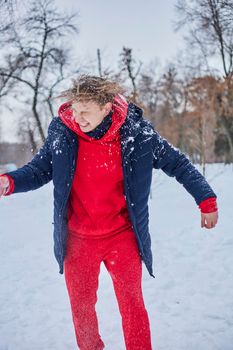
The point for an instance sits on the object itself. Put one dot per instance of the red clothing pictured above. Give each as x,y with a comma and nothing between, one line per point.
97,205
11,186
121,257
209,205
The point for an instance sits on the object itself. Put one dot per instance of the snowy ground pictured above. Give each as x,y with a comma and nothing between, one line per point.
190,302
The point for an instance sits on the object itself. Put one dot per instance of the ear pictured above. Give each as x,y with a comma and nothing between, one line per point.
108,107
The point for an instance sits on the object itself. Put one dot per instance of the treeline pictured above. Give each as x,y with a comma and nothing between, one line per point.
190,101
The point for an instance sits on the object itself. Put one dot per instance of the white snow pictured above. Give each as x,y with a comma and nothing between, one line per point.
189,303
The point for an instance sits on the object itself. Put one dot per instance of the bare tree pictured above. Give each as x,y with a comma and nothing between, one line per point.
148,89
172,109
6,11
38,53
6,83
211,28
99,62
224,111
132,67
210,24
201,96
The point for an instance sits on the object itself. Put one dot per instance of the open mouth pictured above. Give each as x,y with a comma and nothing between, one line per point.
84,125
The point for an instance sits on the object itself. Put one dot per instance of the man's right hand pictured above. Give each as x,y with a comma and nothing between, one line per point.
4,185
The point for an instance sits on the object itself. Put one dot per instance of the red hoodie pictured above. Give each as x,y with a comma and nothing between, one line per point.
97,205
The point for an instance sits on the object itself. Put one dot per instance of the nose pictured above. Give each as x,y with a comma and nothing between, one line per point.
79,119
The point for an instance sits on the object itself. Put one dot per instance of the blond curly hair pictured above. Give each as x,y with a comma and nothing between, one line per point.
92,88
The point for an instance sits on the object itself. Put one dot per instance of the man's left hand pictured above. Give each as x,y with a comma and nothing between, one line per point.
209,220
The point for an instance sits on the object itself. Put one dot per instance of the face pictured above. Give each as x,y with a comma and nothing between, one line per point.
89,114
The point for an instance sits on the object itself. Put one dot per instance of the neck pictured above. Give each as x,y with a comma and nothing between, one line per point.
102,128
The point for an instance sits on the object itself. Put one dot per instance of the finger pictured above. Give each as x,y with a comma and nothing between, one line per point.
207,223
210,224
213,222
202,221
3,191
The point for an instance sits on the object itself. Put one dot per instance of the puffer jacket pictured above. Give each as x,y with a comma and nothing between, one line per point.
143,149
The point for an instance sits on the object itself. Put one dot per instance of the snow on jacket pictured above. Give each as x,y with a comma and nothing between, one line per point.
143,149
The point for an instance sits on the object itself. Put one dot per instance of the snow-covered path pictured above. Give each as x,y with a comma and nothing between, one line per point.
190,302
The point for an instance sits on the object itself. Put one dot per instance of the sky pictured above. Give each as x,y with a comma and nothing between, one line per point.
145,26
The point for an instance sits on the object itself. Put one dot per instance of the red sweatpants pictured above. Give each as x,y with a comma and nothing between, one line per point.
121,257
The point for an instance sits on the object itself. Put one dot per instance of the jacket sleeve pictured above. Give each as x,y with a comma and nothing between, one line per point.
37,172
175,163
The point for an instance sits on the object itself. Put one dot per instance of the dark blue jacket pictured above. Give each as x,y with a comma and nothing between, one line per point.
142,150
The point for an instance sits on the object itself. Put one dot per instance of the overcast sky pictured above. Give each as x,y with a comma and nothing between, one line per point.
145,26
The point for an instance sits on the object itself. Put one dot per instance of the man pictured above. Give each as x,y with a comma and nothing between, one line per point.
100,153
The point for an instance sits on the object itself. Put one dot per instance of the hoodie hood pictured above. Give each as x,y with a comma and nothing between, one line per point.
119,107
